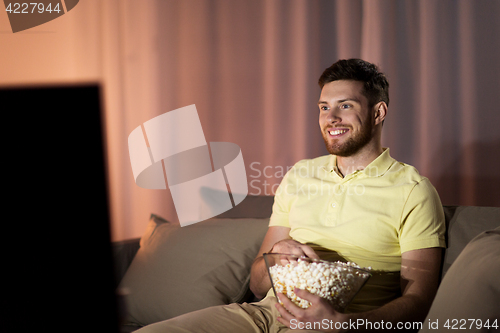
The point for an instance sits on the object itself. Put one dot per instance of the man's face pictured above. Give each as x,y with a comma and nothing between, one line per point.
344,117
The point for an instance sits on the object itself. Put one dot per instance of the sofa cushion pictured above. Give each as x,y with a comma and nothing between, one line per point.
257,206
470,289
181,269
463,224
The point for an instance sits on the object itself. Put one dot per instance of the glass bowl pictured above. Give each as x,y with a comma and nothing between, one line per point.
338,282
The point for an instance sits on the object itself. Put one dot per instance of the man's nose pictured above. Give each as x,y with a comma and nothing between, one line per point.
333,116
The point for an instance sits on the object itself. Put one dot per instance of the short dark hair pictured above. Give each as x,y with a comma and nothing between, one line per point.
376,86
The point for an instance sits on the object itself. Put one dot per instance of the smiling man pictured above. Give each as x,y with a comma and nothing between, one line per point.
356,204
350,129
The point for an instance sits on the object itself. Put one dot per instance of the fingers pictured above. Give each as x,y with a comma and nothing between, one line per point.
304,294
288,304
287,311
290,246
285,261
309,252
295,249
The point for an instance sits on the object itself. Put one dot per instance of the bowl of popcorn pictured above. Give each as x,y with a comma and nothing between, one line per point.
338,282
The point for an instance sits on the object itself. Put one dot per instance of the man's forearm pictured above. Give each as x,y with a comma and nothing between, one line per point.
419,283
259,279
408,309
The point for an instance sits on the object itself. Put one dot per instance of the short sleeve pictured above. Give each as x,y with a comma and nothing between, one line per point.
422,221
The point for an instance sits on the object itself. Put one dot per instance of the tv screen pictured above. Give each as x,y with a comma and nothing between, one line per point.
59,257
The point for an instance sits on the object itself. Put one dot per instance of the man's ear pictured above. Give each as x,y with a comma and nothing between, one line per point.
380,111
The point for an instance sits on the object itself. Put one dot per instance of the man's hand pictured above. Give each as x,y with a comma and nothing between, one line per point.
290,246
320,312
277,240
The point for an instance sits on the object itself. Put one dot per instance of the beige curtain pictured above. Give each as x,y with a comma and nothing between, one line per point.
251,67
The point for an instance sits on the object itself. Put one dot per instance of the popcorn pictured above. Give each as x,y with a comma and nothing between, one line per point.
335,281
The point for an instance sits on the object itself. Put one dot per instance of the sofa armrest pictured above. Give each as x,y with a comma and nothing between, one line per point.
463,223
123,254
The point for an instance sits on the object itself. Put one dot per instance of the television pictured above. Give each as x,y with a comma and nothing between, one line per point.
59,267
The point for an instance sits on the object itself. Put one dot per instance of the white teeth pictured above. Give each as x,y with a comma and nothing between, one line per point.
337,132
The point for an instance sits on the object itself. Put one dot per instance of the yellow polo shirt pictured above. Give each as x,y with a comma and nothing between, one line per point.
369,217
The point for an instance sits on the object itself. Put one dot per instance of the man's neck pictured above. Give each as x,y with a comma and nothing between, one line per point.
359,161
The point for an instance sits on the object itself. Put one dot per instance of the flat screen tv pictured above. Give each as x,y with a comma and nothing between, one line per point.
59,258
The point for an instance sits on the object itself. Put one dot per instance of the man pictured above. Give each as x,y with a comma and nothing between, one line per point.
357,204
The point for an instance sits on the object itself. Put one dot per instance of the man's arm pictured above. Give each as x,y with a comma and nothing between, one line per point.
419,282
277,239
259,281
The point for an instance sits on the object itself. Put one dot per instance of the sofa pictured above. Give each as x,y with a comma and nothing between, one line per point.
172,270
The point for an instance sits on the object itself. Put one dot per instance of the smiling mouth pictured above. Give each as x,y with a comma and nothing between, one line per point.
337,132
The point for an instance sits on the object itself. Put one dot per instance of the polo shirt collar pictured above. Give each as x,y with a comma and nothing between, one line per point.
378,167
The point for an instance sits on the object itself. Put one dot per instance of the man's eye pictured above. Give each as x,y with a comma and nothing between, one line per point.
323,108
345,106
